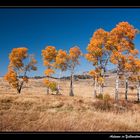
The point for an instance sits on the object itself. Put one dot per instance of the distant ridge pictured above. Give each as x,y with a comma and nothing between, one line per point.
76,76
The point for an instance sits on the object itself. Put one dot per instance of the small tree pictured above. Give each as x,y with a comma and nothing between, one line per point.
130,68
61,62
99,56
18,68
49,58
74,54
95,74
134,68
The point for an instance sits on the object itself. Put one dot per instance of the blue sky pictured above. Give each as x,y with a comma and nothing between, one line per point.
35,28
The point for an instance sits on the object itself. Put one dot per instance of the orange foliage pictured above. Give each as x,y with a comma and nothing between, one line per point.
120,42
74,53
61,60
96,47
134,52
12,79
120,38
49,72
49,54
49,58
16,67
93,73
100,80
128,66
98,54
51,85
16,57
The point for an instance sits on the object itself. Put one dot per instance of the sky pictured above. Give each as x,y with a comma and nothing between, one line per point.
36,28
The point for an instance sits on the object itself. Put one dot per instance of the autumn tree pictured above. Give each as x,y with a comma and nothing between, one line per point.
130,68
49,58
95,74
61,62
73,61
18,67
133,67
99,56
120,43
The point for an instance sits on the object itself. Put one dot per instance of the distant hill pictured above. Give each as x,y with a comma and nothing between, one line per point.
77,76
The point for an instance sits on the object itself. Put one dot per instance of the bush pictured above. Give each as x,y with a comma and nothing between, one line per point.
102,105
106,97
53,86
100,96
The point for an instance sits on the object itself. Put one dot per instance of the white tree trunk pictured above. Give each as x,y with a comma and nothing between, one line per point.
117,87
138,92
58,87
95,87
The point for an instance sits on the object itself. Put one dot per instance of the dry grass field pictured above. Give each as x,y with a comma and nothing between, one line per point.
34,110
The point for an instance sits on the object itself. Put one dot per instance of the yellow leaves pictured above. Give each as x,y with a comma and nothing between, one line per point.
128,66
94,50
134,52
100,80
46,82
96,74
54,59
93,73
97,47
17,55
11,74
61,57
46,63
49,53
90,58
130,58
62,60
120,43
74,53
11,77
115,57
53,86
49,72
50,84
49,57
119,48
137,63
17,66
127,29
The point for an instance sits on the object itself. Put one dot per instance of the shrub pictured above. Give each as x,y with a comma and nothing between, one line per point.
100,96
106,97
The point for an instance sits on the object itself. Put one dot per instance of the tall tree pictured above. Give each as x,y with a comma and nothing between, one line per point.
99,56
120,42
18,67
73,56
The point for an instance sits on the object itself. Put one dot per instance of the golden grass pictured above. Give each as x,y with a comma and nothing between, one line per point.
63,113
33,110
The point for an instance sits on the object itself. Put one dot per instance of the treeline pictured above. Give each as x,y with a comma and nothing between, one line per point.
116,47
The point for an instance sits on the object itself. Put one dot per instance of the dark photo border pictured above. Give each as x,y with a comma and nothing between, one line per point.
68,4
